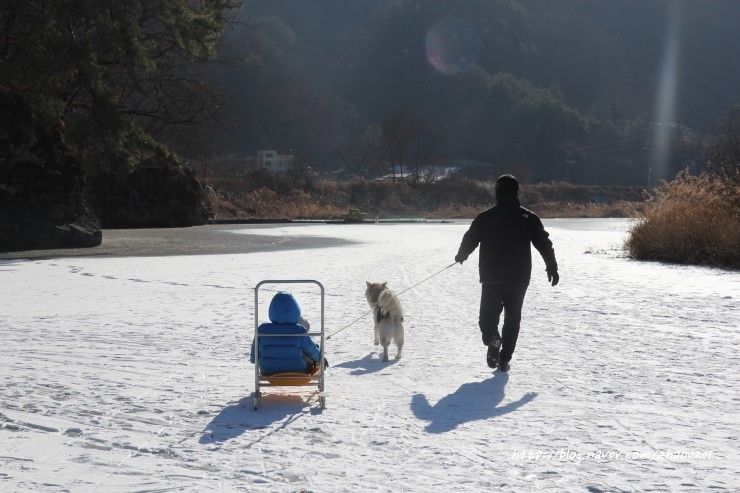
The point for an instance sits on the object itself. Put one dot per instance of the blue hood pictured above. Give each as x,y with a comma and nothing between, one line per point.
284,309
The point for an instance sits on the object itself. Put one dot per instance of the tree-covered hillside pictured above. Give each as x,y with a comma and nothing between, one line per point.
88,91
552,90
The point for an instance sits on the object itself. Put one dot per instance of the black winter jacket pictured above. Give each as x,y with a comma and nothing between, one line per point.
504,233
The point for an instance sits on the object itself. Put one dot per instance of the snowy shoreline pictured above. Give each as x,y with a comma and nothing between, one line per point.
129,373
210,239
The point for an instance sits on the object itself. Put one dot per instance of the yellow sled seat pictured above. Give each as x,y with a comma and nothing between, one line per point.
288,378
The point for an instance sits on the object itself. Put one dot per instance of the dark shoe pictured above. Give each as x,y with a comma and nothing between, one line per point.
494,348
504,367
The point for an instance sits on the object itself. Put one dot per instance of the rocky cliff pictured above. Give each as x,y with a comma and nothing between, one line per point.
158,193
42,203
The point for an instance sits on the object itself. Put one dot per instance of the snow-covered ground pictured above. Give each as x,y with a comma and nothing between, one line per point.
130,373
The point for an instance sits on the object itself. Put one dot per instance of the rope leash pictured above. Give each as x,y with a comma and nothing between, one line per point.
397,295
426,279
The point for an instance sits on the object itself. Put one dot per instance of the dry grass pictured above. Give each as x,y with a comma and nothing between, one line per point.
620,208
258,194
693,219
561,192
267,203
454,212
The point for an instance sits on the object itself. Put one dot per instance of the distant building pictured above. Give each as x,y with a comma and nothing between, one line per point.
274,161
398,176
266,159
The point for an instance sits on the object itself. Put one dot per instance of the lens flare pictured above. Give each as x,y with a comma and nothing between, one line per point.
665,99
452,45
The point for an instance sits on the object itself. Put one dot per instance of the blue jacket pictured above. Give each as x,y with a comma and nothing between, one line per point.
279,354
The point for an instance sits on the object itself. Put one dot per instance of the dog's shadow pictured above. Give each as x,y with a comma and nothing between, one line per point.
370,363
471,402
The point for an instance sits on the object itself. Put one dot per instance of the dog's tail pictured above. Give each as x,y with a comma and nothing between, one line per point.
388,306
383,314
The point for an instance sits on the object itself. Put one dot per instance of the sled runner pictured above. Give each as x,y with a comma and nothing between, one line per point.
288,379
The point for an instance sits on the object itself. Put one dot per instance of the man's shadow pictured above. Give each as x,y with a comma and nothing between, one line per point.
369,364
239,417
471,402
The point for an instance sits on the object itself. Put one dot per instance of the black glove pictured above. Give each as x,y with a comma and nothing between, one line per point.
314,367
459,258
553,277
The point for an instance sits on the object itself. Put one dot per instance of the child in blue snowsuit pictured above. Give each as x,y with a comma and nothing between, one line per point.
282,354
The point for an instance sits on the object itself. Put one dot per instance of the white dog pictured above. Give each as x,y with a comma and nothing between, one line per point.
387,315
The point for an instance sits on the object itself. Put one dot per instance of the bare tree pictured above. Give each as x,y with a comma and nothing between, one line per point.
408,142
426,149
722,154
398,133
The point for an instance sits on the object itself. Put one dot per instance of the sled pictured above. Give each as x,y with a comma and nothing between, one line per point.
288,379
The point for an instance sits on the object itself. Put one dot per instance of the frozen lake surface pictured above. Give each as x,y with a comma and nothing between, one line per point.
130,373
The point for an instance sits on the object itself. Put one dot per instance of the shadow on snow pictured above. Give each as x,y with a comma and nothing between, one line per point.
368,364
471,402
239,417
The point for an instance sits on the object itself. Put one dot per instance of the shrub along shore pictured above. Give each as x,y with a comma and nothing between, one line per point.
258,194
694,220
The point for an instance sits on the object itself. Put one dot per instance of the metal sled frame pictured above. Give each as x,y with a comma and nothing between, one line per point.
316,380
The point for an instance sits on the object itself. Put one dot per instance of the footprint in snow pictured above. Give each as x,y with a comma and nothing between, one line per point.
73,432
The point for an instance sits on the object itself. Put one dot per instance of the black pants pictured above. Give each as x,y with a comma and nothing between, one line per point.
495,298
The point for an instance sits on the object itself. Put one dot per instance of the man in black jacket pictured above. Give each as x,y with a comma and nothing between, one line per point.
504,233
